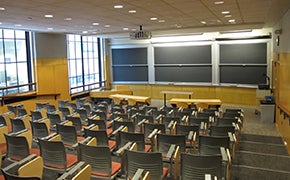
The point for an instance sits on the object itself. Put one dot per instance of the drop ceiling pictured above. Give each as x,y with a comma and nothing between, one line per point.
78,16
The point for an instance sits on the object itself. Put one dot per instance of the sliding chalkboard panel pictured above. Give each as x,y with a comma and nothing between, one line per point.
243,53
130,64
128,73
129,56
243,75
183,63
183,74
243,63
183,55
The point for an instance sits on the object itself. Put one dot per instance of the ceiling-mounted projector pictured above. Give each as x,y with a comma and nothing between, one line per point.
140,34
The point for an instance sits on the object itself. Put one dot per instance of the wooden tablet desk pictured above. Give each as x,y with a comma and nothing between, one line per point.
106,93
132,100
175,92
211,102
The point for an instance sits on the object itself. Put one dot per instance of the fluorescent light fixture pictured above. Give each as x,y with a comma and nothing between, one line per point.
232,21
48,16
107,25
228,16
0,22
219,2
2,9
18,25
202,22
132,11
161,21
125,29
95,24
225,12
68,19
85,32
118,6
236,31
153,18
49,29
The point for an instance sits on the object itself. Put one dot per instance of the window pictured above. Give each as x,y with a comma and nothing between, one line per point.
15,62
84,63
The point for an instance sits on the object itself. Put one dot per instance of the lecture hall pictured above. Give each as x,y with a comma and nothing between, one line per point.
139,90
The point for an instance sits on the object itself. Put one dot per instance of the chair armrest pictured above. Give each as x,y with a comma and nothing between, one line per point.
117,130
171,151
183,119
159,118
86,140
122,149
170,124
138,174
153,133
170,112
224,154
141,122
18,132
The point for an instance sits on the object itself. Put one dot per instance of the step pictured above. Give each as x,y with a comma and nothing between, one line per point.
242,172
259,147
261,138
262,160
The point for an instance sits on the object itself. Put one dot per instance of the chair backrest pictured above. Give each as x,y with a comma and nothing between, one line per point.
50,108
205,114
138,138
68,134
39,129
151,162
226,121
101,114
209,145
17,124
197,120
21,112
196,166
40,105
164,141
76,121
100,135
100,123
149,118
35,115
17,147
166,120
185,129
129,124
99,157
53,154
221,130
149,127
54,118
62,103
65,111
83,113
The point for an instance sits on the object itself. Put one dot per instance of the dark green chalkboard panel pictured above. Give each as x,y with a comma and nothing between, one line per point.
183,55
255,53
243,75
130,73
129,56
183,74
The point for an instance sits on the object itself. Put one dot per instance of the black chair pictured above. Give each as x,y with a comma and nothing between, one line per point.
196,166
17,124
39,129
55,157
68,134
138,138
35,115
54,119
151,161
101,136
99,157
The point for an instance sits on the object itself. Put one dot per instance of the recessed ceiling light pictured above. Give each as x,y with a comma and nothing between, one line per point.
18,25
228,15
85,32
202,22
232,20
118,6
225,12
153,18
132,11
67,19
48,16
49,29
95,24
133,29
161,21
219,2
107,25
0,22
2,9
125,29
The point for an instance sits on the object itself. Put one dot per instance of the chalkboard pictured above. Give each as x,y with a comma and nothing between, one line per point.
183,55
130,64
130,73
243,63
243,53
183,74
243,75
129,56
